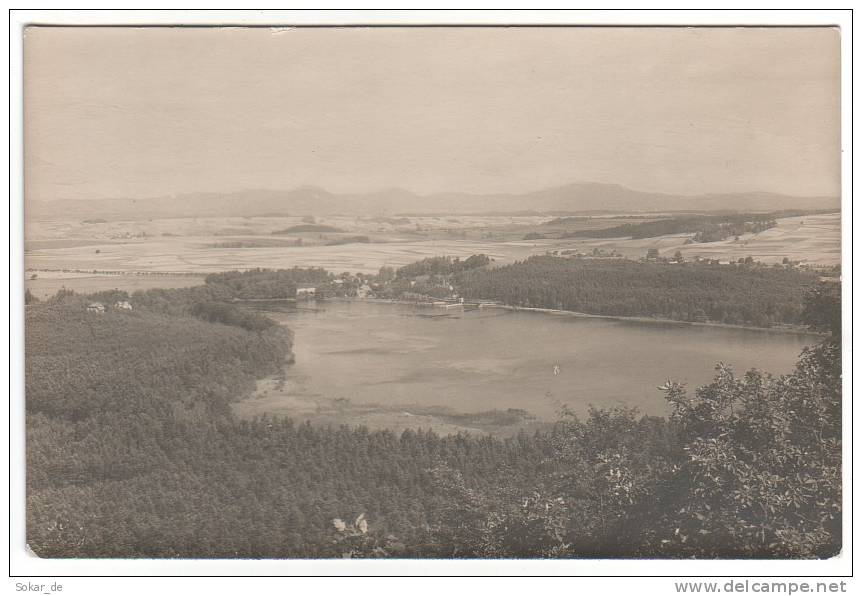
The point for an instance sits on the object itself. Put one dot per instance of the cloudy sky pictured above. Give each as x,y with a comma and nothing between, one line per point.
153,112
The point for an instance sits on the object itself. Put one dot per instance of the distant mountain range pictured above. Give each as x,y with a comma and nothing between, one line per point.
312,200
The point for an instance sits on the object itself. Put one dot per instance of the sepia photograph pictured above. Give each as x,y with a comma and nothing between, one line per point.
433,292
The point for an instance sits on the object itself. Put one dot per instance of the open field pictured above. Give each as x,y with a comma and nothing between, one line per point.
266,226
814,239
183,247
48,283
811,239
196,255
207,245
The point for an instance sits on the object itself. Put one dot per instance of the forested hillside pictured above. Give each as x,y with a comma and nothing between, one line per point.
132,451
441,266
742,295
706,228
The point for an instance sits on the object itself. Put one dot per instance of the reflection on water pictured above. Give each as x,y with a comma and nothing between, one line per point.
396,357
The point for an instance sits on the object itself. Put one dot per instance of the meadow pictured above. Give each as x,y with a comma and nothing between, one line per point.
184,248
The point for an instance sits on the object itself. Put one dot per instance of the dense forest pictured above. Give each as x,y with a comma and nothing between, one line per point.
706,228
263,283
133,451
734,294
740,294
441,266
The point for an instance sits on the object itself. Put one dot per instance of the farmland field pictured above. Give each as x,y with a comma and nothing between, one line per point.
184,248
48,283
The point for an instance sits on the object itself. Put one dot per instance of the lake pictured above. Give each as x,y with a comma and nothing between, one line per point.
401,366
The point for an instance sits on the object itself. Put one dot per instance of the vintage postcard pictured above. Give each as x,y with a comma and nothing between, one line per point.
433,292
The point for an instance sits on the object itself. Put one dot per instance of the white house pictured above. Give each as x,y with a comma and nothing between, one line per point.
96,307
305,293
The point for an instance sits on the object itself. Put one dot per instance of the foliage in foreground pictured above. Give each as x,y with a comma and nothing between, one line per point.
133,451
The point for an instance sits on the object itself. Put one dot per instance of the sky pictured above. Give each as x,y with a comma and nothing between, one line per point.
146,112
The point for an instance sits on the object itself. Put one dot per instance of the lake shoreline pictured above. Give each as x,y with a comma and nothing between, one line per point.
572,313
400,365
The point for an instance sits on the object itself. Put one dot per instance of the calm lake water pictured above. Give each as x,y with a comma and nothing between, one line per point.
399,356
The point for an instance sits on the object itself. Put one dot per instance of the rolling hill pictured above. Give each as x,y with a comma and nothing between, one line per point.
312,200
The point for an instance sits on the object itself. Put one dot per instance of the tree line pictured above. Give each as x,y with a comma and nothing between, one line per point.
732,294
706,228
441,266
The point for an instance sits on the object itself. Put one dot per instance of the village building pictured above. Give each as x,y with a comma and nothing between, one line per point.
96,307
306,293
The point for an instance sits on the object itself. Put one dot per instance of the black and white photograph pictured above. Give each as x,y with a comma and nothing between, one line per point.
433,292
